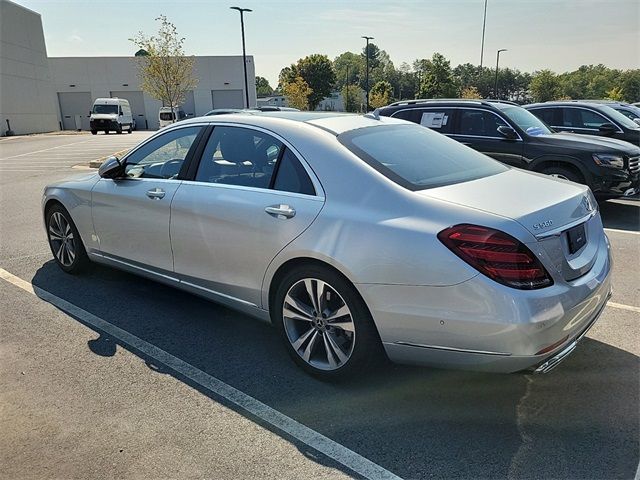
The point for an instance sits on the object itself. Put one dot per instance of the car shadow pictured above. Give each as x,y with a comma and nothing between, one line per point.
621,214
580,421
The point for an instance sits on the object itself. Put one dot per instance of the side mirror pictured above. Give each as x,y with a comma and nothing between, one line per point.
637,120
607,128
111,168
507,132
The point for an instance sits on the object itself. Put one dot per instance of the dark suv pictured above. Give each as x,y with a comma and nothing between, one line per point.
587,118
512,135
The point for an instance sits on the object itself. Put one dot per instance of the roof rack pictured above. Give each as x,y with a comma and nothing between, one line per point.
483,101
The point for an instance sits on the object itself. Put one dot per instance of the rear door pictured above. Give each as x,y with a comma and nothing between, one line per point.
478,128
581,120
251,195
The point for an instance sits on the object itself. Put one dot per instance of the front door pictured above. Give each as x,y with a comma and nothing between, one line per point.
478,129
131,214
251,196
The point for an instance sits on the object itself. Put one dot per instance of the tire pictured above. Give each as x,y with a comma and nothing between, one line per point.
564,173
119,130
94,132
106,132
130,129
64,240
315,342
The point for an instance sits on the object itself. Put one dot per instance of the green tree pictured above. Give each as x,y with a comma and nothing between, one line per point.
615,94
545,85
317,71
381,94
348,63
297,93
471,93
438,80
263,89
630,83
165,73
353,97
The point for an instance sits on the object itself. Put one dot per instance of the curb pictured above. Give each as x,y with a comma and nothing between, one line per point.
97,162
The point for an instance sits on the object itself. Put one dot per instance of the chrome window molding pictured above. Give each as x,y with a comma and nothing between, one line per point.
451,349
316,198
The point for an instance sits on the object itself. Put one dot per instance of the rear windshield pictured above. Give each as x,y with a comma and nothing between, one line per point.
105,109
418,158
166,116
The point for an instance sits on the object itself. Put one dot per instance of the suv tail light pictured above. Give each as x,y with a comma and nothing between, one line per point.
497,255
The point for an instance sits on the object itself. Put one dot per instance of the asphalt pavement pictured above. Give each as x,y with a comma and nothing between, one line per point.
109,375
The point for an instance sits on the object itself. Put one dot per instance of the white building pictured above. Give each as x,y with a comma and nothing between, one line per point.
79,80
41,94
27,97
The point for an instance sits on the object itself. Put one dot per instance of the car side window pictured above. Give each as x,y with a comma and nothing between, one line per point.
291,175
439,119
239,156
163,156
581,118
545,114
480,123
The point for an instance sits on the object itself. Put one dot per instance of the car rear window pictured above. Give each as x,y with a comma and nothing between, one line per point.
418,158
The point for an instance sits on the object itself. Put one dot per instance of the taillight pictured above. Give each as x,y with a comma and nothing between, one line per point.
497,255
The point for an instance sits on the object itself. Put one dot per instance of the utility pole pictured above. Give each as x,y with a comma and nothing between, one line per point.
484,24
346,90
367,77
244,52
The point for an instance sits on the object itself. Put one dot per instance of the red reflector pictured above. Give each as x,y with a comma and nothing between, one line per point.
497,255
552,346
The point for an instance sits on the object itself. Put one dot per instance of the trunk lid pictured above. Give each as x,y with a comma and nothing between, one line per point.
561,215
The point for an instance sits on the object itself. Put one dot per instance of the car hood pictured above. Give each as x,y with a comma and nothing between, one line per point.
538,202
591,143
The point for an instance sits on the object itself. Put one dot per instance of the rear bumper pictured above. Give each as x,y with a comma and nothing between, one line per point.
481,325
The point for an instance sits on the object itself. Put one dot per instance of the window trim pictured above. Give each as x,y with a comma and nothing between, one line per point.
565,127
188,159
320,194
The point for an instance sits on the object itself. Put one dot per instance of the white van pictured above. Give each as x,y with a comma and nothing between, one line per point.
111,114
167,117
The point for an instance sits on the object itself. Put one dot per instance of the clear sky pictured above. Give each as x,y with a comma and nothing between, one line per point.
556,34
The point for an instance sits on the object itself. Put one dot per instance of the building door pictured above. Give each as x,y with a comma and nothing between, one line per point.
189,105
227,98
75,108
136,102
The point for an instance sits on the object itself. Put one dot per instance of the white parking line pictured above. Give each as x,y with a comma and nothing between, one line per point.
615,230
341,454
622,306
45,150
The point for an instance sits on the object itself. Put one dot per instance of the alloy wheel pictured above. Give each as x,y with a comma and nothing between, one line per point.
319,324
62,239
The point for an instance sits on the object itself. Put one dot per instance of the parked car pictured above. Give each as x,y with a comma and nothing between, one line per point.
355,235
273,108
168,115
628,110
226,111
587,118
512,135
110,114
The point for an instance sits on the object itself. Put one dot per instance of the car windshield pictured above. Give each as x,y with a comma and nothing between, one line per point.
629,111
109,109
418,158
526,120
620,118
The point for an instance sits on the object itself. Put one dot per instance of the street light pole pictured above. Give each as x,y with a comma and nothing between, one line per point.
484,24
495,91
244,52
367,76
346,90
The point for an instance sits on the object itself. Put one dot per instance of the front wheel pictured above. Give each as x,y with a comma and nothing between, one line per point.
325,324
94,132
564,173
64,240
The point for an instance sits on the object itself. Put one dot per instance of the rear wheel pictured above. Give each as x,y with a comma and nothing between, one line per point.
564,173
64,240
106,132
326,326
119,129
130,129
94,132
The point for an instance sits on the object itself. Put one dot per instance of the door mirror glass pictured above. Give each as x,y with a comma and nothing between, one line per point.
507,132
607,128
637,120
110,168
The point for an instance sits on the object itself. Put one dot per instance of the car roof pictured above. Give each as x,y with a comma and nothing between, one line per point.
333,122
568,103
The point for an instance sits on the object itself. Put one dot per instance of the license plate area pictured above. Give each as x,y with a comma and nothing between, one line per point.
577,238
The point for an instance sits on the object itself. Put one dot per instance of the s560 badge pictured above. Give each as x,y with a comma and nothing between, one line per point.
545,224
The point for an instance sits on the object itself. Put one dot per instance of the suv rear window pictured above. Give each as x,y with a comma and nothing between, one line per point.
418,158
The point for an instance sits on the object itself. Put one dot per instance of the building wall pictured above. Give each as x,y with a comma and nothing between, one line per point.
27,96
103,75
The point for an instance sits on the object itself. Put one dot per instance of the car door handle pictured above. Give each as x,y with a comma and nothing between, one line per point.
155,193
281,211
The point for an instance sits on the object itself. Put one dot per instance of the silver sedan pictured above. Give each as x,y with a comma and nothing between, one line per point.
358,237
